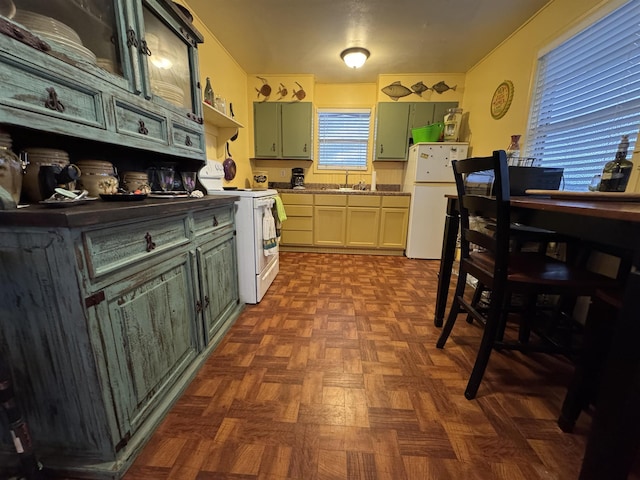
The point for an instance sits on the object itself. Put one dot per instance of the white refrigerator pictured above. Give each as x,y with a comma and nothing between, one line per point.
428,178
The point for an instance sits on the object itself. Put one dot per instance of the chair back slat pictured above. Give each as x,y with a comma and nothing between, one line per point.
484,219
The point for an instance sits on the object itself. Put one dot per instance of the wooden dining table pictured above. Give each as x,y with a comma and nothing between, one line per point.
615,429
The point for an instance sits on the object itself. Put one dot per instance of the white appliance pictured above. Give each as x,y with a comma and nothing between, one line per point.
256,270
429,177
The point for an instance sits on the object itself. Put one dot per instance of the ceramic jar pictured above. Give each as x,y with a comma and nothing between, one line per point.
46,159
98,177
132,181
10,168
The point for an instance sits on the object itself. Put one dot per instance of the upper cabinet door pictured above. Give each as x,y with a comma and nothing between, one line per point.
297,130
266,129
391,131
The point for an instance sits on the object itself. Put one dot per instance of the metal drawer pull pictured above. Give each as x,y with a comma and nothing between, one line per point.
381,148
52,103
188,141
206,301
273,147
304,149
215,221
142,129
144,48
150,243
198,306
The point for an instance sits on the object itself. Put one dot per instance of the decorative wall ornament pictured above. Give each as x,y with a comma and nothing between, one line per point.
442,87
396,90
265,90
501,100
419,87
282,91
299,94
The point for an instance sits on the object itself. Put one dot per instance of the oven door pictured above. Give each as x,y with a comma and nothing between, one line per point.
267,266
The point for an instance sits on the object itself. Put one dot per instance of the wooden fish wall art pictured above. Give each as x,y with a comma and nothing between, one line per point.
299,94
396,90
265,90
282,91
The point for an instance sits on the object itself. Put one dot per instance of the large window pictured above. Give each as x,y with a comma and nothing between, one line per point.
343,138
587,95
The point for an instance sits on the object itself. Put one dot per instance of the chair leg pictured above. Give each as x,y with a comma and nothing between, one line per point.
455,310
486,345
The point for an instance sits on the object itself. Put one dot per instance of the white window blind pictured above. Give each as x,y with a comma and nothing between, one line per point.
343,138
587,95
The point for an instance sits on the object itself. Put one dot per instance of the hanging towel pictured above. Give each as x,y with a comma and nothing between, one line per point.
281,214
269,241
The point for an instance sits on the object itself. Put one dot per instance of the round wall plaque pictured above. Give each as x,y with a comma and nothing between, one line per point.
501,100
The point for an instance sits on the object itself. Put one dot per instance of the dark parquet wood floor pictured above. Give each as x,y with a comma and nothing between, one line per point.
335,375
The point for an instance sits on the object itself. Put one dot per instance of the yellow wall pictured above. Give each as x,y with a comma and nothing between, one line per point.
514,60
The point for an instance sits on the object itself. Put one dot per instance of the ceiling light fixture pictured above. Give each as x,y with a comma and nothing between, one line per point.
355,57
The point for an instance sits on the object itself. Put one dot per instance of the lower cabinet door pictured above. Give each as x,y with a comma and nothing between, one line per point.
148,326
329,225
362,230
218,283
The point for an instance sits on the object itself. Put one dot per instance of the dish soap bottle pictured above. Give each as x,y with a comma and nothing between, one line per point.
513,150
208,93
616,173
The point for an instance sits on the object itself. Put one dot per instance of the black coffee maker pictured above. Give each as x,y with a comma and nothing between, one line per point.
297,178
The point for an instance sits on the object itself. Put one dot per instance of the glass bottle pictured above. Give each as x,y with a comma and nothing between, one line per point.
208,93
616,173
513,150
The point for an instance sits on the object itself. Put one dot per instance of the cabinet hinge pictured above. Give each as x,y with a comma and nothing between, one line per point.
123,443
94,299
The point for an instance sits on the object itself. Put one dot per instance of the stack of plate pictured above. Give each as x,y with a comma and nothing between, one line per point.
169,92
57,32
108,65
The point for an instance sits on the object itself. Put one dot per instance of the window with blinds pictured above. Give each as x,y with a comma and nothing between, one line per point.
343,138
587,95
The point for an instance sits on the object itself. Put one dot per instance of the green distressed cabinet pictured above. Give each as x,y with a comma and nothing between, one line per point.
124,72
283,130
106,316
395,121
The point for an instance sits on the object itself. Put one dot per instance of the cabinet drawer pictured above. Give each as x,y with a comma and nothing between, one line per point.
364,200
132,120
297,237
333,200
298,210
108,249
298,223
213,220
188,138
396,201
296,199
38,91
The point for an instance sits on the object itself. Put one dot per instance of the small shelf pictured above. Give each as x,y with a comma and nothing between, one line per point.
218,119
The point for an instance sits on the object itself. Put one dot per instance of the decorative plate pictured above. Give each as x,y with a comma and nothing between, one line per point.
501,100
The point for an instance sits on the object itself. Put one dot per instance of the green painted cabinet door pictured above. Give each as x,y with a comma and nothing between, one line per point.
266,129
148,328
218,284
297,130
391,131
421,115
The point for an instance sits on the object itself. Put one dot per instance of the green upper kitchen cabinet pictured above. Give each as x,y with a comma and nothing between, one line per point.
283,130
395,122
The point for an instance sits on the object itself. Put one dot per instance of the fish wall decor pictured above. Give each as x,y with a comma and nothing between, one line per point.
265,90
282,91
442,87
419,87
299,94
396,90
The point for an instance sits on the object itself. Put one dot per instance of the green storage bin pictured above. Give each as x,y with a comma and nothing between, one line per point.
428,133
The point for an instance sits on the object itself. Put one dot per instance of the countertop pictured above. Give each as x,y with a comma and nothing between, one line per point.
96,212
344,192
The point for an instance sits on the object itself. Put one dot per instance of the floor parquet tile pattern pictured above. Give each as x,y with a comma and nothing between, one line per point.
335,375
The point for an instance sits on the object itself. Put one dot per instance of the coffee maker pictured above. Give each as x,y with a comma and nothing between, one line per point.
297,178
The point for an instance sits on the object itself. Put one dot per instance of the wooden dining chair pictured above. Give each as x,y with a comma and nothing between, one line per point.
486,255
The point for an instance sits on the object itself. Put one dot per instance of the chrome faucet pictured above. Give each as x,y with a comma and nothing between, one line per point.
346,179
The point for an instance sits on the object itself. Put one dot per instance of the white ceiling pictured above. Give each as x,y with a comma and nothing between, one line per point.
403,36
